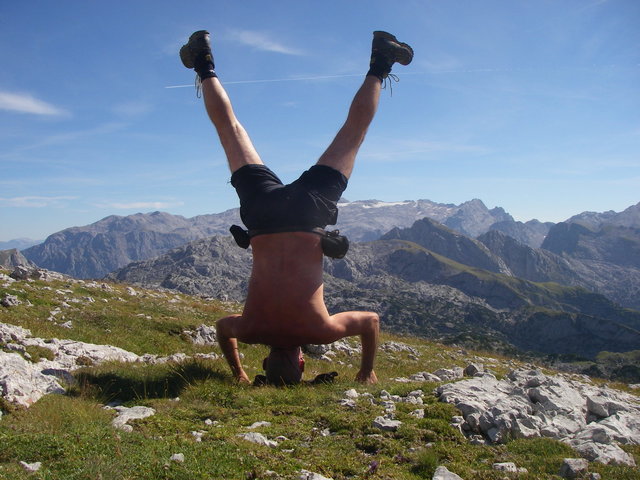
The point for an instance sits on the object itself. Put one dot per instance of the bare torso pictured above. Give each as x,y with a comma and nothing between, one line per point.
285,303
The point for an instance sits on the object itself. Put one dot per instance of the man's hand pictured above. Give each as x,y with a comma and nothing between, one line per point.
367,377
243,378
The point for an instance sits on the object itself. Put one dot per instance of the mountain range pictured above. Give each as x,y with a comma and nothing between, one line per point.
95,250
461,273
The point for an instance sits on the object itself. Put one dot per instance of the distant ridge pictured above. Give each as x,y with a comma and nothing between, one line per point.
93,251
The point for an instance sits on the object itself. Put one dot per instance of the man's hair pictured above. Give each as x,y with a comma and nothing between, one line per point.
284,366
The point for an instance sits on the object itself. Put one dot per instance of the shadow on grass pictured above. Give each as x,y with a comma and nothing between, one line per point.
126,383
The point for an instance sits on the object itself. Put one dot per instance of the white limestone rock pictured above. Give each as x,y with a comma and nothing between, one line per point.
31,467
528,403
23,382
443,473
203,335
177,457
573,468
386,424
307,475
126,414
258,438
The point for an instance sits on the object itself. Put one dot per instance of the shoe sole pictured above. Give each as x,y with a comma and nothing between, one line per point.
404,50
185,51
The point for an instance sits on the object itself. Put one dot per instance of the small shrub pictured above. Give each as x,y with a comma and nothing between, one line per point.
425,464
39,353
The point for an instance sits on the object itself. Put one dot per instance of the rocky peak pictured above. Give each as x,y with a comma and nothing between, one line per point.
13,258
444,241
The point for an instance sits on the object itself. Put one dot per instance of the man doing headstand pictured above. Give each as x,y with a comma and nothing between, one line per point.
285,305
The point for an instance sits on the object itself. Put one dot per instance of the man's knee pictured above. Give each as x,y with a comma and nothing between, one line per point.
374,320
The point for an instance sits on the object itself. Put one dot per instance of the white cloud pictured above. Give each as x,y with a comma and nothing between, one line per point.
262,41
25,103
132,109
33,201
385,150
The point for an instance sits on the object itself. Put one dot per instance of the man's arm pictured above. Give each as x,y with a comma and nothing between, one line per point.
367,326
225,329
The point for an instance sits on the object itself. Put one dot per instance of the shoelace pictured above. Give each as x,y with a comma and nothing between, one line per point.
198,85
392,77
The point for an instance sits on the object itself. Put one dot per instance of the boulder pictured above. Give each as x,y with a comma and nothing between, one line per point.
573,468
23,382
448,374
527,403
10,301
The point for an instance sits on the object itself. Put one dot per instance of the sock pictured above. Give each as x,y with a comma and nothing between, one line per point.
379,67
204,66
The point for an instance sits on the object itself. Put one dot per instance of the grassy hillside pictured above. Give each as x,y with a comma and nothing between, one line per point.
73,437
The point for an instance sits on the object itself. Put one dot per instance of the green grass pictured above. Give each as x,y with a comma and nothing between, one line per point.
73,437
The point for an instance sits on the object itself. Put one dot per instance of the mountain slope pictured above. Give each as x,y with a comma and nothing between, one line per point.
94,250
419,292
97,249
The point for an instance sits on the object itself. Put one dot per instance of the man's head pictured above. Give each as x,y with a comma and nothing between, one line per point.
284,366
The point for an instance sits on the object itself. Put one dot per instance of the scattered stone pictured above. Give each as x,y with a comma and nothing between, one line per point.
472,369
177,457
386,424
258,439
131,291
349,403
443,473
21,273
31,467
341,346
449,374
126,414
10,301
198,435
352,393
505,467
425,377
258,425
418,413
573,468
394,347
307,475
203,335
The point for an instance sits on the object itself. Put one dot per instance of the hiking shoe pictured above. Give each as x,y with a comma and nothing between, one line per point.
196,49
385,51
386,45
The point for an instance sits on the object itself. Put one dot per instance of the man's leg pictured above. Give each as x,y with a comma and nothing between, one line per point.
233,137
196,54
385,51
341,154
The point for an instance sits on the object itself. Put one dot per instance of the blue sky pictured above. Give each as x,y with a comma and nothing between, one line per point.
533,106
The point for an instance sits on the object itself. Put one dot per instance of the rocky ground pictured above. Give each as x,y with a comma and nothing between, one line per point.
494,408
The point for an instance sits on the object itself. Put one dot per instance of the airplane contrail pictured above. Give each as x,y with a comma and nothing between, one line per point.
294,79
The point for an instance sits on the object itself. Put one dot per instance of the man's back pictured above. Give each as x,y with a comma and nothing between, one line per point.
285,303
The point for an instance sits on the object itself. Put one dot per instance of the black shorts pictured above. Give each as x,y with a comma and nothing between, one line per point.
309,202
